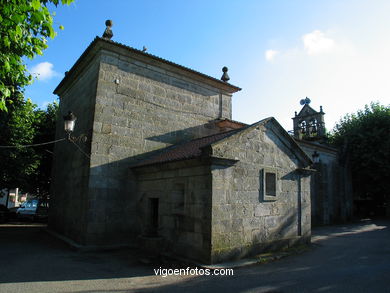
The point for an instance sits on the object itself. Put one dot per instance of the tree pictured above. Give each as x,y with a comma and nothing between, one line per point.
28,168
17,129
45,123
365,137
25,26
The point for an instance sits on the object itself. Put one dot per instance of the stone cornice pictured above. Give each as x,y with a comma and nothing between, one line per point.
100,44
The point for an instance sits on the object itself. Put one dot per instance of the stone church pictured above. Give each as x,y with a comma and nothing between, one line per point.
331,184
164,166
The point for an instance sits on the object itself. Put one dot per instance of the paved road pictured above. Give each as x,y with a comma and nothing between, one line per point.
345,258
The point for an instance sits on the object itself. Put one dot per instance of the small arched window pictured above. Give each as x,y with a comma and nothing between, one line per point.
303,126
313,126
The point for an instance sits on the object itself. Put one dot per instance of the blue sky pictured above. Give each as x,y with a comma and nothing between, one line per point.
278,52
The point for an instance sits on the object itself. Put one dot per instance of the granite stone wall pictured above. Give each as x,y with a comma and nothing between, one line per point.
243,221
331,188
130,105
69,197
218,211
140,108
183,190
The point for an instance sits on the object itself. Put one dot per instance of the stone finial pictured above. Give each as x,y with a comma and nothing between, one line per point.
108,32
225,77
321,109
144,49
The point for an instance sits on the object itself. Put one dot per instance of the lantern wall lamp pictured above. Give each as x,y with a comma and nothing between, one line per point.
69,124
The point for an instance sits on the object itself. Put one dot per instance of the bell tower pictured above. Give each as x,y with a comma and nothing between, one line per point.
309,124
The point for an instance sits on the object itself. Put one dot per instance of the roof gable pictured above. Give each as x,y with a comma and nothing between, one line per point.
307,111
280,132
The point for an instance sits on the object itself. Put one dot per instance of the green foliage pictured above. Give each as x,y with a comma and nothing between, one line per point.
18,164
28,168
25,26
365,137
45,123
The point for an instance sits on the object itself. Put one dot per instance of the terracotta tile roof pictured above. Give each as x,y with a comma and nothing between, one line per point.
193,148
183,151
229,123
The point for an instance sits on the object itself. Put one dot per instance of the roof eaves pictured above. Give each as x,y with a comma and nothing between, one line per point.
170,63
97,39
159,163
316,145
78,62
243,129
197,151
297,148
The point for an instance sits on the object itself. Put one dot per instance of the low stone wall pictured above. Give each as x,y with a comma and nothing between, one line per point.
183,190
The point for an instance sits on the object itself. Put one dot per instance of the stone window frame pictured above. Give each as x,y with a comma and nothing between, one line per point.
263,195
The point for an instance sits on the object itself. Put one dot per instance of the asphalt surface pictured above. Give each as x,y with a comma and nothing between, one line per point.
343,258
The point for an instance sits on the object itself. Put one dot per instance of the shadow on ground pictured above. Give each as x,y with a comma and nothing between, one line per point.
344,258
29,253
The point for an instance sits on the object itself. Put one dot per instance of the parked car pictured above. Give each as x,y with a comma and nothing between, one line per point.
33,209
12,212
4,214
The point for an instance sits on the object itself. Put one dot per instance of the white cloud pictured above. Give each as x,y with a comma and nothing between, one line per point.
43,71
316,43
270,55
351,74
